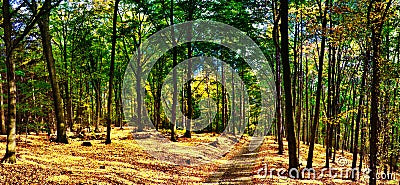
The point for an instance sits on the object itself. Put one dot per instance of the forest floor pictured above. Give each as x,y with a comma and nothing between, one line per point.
40,161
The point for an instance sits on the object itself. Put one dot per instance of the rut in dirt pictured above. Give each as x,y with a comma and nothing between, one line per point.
239,169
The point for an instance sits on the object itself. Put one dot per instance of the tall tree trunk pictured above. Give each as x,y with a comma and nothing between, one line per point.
299,103
67,85
117,101
189,75
279,129
293,160
223,115
68,99
9,157
48,53
374,116
174,76
111,74
98,105
2,117
233,107
352,119
329,110
359,113
306,111
69,106
319,89
121,108
375,125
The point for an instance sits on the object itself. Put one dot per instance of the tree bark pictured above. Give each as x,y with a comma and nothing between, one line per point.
48,53
375,125
279,128
9,157
98,104
111,74
2,117
293,160
319,89
189,75
174,76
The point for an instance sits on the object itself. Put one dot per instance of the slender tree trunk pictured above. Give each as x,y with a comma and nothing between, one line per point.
352,119
157,99
233,107
362,146
67,86
306,111
2,117
359,114
117,103
98,105
279,129
48,53
111,74
174,76
319,89
223,116
293,160
121,109
189,76
329,111
69,106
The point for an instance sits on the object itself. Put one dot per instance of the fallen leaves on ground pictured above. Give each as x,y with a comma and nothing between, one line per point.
125,162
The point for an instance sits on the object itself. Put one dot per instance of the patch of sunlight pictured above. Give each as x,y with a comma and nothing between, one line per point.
119,179
392,182
155,176
58,178
58,159
312,182
116,163
341,181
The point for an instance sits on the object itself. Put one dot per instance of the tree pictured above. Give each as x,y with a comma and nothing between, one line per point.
376,38
48,53
174,80
111,74
190,5
278,113
9,157
319,87
293,160
11,43
2,117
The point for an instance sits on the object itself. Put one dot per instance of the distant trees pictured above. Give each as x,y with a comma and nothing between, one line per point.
346,96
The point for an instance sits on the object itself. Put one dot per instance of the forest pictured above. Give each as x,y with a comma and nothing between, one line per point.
200,92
